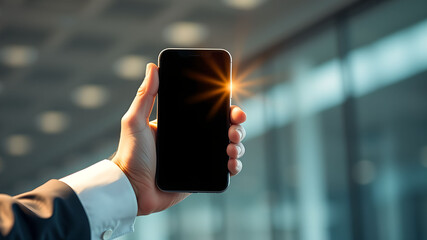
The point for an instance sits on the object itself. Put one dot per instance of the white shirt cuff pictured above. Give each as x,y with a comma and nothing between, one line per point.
107,197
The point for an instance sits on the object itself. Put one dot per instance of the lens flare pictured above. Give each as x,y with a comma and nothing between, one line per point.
221,86
243,83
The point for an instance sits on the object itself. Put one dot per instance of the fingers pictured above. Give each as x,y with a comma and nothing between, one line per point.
236,133
144,99
237,116
153,127
234,166
153,124
235,150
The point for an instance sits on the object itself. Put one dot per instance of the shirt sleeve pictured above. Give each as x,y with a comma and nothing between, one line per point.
107,197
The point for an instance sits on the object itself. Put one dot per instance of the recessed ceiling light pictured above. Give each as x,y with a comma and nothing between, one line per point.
52,122
90,96
244,4
131,67
18,144
18,55
185,33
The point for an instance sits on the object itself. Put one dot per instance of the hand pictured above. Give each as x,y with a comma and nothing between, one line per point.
136,154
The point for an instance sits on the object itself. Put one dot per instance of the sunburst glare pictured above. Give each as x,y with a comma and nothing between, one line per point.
221,86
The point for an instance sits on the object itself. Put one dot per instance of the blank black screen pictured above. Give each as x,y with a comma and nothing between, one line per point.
193,120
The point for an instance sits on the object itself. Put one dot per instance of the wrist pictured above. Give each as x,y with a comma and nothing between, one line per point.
124,169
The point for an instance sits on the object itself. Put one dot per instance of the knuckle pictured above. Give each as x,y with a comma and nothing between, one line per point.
141,91
127,120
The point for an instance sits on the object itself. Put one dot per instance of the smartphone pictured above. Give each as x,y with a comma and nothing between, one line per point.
193,118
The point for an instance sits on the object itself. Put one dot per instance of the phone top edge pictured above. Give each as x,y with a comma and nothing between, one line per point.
208,49
222,49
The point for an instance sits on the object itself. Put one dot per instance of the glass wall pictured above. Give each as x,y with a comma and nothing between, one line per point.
337,138
388,66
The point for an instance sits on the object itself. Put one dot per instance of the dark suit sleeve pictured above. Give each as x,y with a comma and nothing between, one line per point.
51,211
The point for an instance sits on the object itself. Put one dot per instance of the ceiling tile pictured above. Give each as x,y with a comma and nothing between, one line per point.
22,36
84,42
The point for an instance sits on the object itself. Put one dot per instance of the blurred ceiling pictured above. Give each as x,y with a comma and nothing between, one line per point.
69,69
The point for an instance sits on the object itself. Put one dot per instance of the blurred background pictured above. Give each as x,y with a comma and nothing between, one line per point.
335,92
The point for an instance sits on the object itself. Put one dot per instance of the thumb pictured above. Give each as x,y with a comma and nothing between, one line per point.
144,99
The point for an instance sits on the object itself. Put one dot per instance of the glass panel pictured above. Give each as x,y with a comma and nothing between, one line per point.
388,60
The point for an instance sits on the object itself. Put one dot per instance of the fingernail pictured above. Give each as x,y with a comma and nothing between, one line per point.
239,150
147,69
239,166
239,131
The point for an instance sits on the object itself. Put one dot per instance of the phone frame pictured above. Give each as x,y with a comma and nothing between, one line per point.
228,119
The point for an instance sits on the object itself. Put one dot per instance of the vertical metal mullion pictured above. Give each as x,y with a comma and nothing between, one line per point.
273,173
